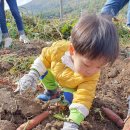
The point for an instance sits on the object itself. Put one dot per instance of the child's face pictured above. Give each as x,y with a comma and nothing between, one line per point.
86,67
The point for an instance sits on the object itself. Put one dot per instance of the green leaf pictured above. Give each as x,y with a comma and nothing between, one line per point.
59,117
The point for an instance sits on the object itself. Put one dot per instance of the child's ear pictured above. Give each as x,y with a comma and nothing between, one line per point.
71,49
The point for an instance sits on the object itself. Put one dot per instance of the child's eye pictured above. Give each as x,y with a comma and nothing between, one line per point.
87,65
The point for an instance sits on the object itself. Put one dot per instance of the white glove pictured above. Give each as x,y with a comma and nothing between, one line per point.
70,126
28,80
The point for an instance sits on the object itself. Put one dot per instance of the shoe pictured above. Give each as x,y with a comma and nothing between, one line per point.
49,95
0,36
8,42
24,39
115,19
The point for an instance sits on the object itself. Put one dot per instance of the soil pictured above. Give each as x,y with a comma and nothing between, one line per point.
16,109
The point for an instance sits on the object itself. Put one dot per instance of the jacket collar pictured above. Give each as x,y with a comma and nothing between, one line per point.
66,59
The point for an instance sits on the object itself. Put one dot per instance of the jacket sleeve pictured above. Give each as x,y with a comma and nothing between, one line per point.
43,62
45,56
53,52
86,91
83,99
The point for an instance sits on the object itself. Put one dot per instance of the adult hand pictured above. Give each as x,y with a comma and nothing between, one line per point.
127,124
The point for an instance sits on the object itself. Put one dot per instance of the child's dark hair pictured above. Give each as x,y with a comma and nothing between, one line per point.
95,36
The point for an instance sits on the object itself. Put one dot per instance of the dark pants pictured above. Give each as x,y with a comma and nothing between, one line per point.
15,12
112,7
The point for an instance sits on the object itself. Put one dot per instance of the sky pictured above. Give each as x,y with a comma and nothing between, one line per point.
19,2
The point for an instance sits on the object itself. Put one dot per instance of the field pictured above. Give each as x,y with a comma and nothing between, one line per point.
16,109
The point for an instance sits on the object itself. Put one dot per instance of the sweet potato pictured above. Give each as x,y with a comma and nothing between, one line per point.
113,117
34,122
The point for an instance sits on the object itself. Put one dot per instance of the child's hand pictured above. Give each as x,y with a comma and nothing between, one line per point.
127,124
70,126
28,80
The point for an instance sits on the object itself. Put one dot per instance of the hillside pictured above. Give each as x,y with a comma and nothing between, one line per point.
51,8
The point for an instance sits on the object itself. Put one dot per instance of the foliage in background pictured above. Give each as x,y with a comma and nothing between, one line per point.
53,29
39,28
124,32
50,9
66,27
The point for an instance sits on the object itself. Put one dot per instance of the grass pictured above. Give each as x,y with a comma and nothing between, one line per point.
20,64
53,29
39,28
